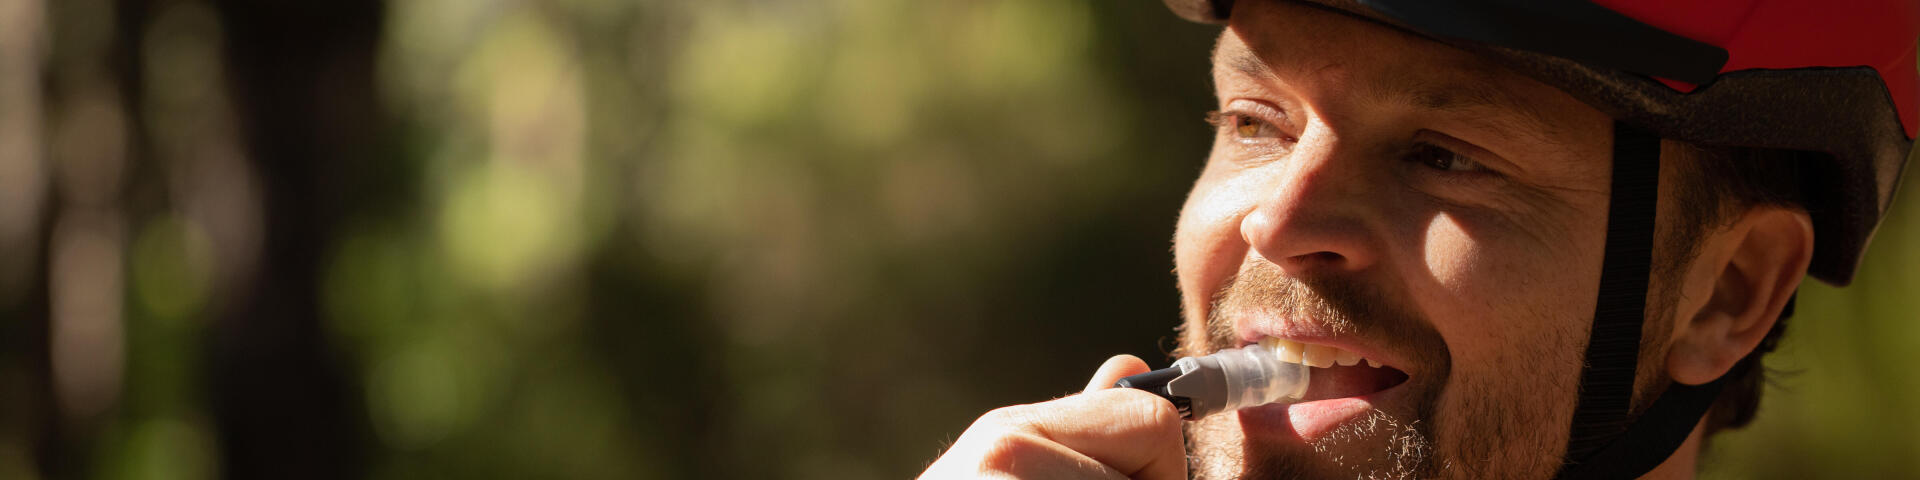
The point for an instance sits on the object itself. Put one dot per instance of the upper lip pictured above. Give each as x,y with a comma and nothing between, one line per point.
1251,330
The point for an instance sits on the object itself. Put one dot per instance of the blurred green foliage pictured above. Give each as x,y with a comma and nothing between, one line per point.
750,238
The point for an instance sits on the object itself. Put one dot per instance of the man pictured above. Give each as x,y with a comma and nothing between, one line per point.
1528,240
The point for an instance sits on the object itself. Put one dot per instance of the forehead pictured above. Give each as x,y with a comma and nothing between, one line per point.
1302,46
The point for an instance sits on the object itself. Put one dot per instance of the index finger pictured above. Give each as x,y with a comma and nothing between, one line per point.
1116,368
1132,431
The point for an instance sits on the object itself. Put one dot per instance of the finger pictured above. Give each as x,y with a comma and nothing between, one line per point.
1028,456
1116,368
1130,430
1002,445
1121,431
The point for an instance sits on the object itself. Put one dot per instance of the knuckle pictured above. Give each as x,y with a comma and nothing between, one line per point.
1158,417
1005,453
1160,410
1148,406
1030,418
1003,417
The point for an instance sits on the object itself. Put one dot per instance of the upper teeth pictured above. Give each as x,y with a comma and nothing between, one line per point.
1313,354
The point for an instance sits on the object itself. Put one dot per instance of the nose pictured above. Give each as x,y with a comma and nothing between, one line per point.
1311,213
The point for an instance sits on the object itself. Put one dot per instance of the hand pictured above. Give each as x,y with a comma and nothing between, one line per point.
1103,432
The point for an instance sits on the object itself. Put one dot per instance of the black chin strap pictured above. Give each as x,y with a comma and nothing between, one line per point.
1606,441
1655,435
1613,348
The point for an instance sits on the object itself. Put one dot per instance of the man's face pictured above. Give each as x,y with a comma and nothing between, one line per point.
1389,196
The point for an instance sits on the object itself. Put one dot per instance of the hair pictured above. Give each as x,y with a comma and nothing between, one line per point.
1714,186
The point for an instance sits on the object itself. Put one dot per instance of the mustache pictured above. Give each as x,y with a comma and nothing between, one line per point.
1341,304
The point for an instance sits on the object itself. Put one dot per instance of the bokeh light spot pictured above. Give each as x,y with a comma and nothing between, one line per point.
172,264
171,449
505,226
416,396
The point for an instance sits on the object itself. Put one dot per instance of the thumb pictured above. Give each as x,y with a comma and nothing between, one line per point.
1116,368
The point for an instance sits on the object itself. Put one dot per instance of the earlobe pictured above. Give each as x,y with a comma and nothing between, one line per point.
1763,257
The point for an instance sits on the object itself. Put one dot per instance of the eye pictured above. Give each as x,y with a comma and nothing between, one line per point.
1249,127
1437,158
1244,126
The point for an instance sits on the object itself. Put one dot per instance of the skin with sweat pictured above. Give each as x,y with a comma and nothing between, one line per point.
1409,202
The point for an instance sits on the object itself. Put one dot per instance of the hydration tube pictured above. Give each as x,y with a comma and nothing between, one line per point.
1225,381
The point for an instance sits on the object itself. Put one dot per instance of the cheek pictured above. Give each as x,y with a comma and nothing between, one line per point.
1450,251
1207,247
1500,295
1512,308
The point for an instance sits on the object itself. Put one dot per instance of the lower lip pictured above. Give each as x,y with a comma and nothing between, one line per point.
1309,421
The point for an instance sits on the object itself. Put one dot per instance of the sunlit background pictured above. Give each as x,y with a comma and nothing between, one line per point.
610,239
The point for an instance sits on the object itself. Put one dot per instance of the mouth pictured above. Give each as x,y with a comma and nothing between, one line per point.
1336,372
1342,386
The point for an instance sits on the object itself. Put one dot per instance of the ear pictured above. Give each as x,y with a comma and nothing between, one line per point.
1754,267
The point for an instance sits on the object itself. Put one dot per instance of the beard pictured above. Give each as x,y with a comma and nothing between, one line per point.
1510,425
1382,444
1217,449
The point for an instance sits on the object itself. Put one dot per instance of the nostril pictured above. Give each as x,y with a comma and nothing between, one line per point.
1316,259
1293,232
1321,256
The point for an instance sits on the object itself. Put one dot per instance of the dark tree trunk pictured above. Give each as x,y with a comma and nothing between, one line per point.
285,401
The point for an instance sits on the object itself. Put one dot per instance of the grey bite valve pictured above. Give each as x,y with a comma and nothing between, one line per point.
1225,381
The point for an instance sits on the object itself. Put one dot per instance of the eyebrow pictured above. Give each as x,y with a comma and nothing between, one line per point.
1478,103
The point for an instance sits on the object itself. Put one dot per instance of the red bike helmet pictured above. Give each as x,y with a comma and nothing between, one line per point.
1834,81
